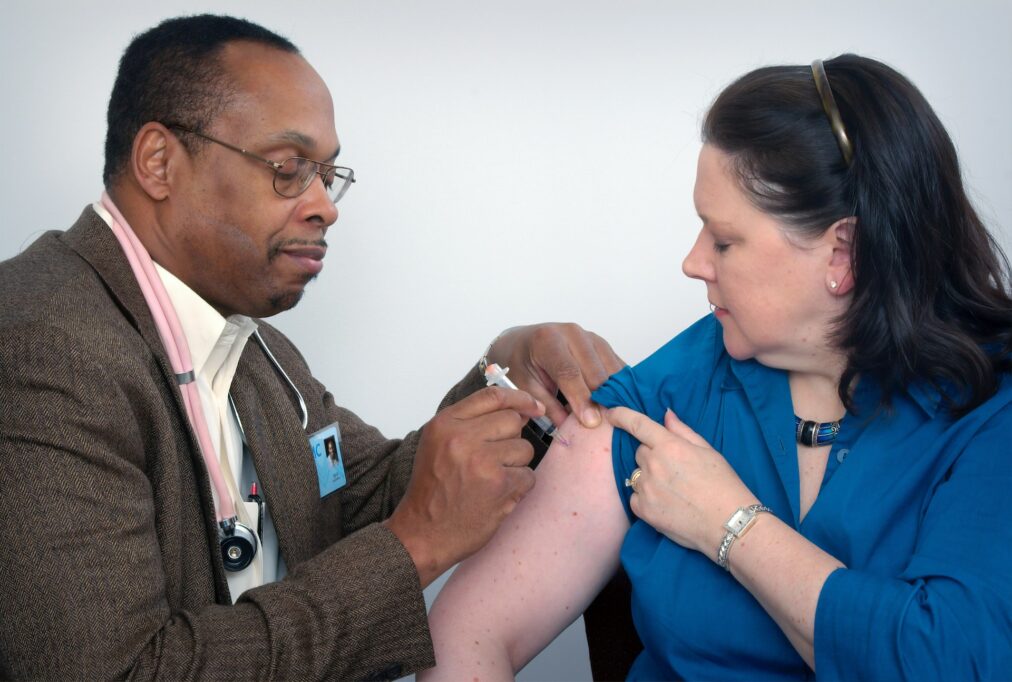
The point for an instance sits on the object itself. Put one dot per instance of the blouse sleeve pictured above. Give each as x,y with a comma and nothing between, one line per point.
948,616
677,376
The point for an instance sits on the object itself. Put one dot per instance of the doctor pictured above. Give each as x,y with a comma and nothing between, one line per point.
161,513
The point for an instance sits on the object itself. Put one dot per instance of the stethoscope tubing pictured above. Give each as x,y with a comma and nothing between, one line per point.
178,350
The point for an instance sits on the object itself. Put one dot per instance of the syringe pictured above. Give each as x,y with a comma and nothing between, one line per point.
542,426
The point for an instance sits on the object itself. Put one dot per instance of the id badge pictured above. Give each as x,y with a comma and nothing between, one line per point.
326,447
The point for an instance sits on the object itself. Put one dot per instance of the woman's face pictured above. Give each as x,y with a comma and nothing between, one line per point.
772,292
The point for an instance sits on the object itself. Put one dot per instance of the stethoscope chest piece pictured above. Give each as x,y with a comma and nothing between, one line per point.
238,545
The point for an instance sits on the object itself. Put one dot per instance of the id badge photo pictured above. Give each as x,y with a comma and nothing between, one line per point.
326,447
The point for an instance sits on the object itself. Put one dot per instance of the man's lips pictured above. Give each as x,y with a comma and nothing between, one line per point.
309,258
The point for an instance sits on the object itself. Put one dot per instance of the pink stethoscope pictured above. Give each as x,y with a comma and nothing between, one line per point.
238,542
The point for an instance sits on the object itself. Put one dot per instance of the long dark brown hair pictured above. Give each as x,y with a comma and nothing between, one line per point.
931,299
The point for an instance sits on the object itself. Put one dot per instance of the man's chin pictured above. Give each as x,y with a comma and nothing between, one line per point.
282,302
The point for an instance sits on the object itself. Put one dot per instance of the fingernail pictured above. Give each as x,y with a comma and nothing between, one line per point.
541,405
591,417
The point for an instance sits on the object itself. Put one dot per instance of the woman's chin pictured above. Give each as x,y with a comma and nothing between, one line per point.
739,351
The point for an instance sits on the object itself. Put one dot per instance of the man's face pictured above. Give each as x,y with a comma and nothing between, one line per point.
237,243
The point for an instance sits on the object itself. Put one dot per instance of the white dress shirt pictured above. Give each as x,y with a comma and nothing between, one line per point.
216,344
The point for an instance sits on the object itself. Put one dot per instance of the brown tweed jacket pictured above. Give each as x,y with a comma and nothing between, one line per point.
109,562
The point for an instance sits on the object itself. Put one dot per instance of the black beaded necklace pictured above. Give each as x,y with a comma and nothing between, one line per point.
814,434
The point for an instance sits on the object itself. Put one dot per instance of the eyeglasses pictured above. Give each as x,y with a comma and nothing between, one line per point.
293,175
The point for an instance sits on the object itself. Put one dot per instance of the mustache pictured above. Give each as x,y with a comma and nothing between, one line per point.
276,249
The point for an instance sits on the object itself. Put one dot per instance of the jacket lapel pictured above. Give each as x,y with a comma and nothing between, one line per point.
278,444
280,450
94,241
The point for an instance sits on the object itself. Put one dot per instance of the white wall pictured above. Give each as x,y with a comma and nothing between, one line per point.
518,162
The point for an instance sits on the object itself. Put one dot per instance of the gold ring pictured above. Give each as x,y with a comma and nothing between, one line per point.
633,478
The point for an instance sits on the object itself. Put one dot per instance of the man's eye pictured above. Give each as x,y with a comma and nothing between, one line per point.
328,178
720,248
289,170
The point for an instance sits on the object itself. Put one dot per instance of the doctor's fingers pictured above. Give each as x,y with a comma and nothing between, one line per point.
495,426
460,436
515,452
521,480
502,486
494,399
587,363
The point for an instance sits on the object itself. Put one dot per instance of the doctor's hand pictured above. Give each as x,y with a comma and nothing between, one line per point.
686,490
547,358
470,471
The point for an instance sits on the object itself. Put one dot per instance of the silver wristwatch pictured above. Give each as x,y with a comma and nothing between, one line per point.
483,362
736,526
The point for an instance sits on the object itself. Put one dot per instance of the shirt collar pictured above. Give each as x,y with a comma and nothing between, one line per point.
867,393
202,325
927,397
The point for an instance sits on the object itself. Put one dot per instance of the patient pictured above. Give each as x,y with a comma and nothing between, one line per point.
816,476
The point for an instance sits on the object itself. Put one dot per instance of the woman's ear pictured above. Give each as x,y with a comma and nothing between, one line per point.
839,274
152,154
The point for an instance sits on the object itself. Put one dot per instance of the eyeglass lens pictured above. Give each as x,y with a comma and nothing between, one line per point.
296,173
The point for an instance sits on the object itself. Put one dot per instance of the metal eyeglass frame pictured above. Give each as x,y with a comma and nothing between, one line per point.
348,177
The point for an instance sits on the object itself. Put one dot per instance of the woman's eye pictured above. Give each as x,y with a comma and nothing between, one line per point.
719,247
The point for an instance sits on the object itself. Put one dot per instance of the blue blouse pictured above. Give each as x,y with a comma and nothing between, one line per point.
914,503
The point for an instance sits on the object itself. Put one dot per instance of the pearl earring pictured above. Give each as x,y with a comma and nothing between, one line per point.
833,284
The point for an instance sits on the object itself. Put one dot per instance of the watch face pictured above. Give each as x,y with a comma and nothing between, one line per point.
738,521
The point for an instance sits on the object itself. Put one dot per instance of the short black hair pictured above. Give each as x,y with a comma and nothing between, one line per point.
173,73
931,299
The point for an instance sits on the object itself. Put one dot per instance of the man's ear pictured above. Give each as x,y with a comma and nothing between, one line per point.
153,154
840,274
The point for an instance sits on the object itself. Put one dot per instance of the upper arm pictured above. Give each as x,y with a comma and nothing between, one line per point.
541,569
77,520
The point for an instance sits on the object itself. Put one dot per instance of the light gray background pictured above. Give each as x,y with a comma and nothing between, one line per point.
518,162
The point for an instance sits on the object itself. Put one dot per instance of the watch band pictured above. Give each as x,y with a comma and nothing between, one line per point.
483,361
737,525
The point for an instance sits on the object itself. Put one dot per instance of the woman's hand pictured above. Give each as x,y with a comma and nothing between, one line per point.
686,490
